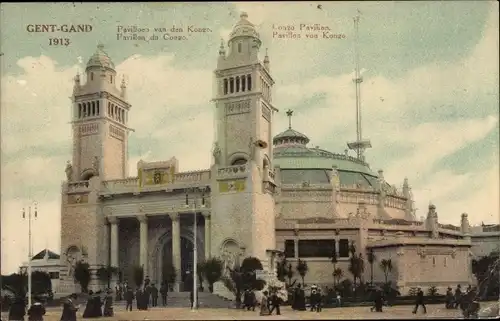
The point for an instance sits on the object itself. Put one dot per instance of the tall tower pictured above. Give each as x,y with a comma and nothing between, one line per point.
99,125
100,117
242,199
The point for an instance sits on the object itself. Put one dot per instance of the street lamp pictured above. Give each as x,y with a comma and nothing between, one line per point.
195,243
30,254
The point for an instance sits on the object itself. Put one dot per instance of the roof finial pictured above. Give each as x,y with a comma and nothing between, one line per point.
289,113
243,15
100,46
222,50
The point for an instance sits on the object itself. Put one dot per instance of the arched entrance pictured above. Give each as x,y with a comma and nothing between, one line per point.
187,251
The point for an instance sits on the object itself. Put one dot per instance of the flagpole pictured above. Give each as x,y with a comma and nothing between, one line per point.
30,250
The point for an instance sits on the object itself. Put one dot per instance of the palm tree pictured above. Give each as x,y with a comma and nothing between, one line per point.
371,260
334,259
356,264
302,269
289,273
212,271
82,275
337,275
105,274
386,266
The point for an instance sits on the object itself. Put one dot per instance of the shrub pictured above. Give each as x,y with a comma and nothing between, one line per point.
432,291
413,291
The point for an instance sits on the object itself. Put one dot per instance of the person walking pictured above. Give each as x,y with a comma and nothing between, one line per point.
419,301
191,298
36,311
17,309
164,293
129,298
264,304
275,301
108,304
154,295
69,308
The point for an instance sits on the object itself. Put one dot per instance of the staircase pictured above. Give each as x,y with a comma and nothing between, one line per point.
181,300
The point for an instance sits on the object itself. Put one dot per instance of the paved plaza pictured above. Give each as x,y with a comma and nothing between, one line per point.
397,312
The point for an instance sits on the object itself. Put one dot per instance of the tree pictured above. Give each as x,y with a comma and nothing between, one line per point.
281,269
138,274
289,274
302,269
334,259
106,273
213,271
82,275
337,275
243,277
486,270
356,264
386,266
200,271
371,260
169,273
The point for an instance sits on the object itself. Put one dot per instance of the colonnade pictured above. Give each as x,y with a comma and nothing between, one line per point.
143,241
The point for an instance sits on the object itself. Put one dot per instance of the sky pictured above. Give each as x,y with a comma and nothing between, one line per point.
429,97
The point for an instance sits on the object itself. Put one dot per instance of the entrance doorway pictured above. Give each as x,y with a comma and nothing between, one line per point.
186,262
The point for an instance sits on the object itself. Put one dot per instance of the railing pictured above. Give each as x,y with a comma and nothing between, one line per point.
232,170
194,176
449,227
78,186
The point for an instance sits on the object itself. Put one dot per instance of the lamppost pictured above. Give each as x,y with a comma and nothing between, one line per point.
30,254
195,243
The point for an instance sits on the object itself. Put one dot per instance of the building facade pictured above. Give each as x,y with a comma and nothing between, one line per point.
262,193
48,262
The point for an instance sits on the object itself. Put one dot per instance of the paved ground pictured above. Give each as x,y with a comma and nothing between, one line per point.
397,312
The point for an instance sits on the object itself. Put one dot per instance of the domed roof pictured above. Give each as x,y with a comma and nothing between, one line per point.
292,136
100,59
244,28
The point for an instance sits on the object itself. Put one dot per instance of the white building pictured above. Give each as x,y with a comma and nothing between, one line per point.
48,262
262,192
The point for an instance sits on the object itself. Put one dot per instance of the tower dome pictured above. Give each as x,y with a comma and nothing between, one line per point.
100,59
244,28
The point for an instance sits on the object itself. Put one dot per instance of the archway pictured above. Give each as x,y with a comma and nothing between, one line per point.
187,251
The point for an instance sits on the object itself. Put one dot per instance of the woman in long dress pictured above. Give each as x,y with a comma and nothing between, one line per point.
108,304
264,307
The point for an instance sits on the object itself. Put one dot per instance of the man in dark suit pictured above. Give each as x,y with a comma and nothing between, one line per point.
419,301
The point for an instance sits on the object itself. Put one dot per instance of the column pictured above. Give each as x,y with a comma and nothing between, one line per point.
208,232
143,247
176,247
113,221
296,242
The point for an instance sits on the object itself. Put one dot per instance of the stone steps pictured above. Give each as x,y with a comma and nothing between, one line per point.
181,300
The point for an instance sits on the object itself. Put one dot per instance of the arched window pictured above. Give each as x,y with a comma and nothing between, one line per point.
225,86
249,82
111,79
91,76
239,47
231,85
239,161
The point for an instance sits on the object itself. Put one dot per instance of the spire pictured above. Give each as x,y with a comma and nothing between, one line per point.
123,87
76,86
266,61
359,145
222,49
289,113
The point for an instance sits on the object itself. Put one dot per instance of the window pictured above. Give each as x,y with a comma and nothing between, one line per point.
343,248
54,275
445,262
111,79
79,110
243,78
434,261
249,82
91,76
289,248
237,84
239,47
316,248
231,85
97,107
239,161
225,86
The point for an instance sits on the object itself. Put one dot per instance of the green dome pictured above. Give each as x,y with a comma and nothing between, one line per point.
299,163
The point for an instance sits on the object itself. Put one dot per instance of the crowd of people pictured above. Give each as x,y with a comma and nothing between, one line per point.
467,301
